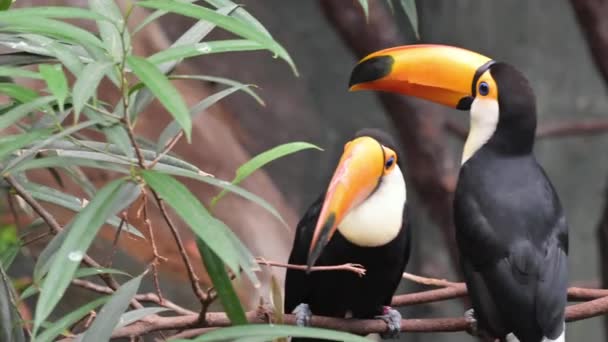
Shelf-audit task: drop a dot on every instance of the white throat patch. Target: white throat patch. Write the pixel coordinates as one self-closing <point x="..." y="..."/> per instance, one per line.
<point x="484" y="119"/>
<point x="377" y="220"/>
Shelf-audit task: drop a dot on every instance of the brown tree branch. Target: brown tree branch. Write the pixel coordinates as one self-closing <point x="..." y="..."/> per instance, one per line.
<point x="356" y="326"/>
<point x="356" y="268"/>
<point x="591" y="15"/>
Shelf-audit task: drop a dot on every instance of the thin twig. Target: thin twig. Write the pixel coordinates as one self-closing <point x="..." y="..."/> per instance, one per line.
<point x="429" y="281"/>
<point x="144" y="297"/>
<point x="356" y="268"/>
<point x="157" y="257"/>
<point x="167" y="149"/>
<point x="123" y="220"/>
<point x="194" y="281"/>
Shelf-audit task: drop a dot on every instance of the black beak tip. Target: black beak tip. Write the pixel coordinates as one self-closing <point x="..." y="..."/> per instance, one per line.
<point x="371" y="69"/>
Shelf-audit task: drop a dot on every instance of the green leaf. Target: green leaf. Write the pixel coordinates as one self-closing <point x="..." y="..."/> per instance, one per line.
<point x="221" y="80"/>
<point x="230" y="24"/>
<point x="218" y="46"/>
<point x="18" y="72"/>
<point x="409" y="7"/>
<point x="83" y="230"/>
<point x="91" y="271"/>
<point x="60" y="12"/>
<point x="10" y="143"/>
<point x="50" y="195"/>
<point x="149" y="19"/>
<point x="63" y="324"/>
<point x="45" y="259"/>
<point x="262" y="159"/>
<point x="110" y="313"/>
<point x="18" y="92"/>
<point x="194" y="34"/>
<point x="190" y="209"/>
<point x="118" y="135"/>
<point x="55" y="81"/>
<point x="37" y="147"/>
<point x="51" y="27"/>
<point x="5" y="4"/>
<point x="109" y="31"/>
<point x="9" y="245"/>
<point x="22" y="110"/>
<point x="274" y="331"/>
<point x="135" y="315"/>
<point x="86" y="84"/>
<point x="365" y="7"/>
<point x="172" y="129"/>
<point x="67" y="56"/>
<point x="166" y="93"/>
<point x="222" y="284"/>
<point x="10" y="320"/>
<point x="242" y="14"/>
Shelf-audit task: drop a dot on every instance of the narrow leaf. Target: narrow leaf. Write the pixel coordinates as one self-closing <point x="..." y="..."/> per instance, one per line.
<point x="199" y="49"/>
<point x="190" y="209"/>
<point x="55" y="81"/>
<point x="45" y="259"/>
<point x="27" y="13"/>
<point x="108" y="31"/>
<point x="275" y="331"/>
<point x="86" y="84"/>
<point x="55" y="329"/>
<point x="18" y="92"/>
<point x="22" y="110"/>
<point x="37" y="147"/>
<point x="222" y="284"/>
<point x="365" y="7"/>
<point x="242" y="14"/>
<point x="118" y="135"/>
<point x="110" y="313"/>
<point x="18" y="72"/>
<point x="230" y="24"/>
<point x="409" y="7"/>
<point x="10" y="321"/>
<point x="221" y="80"/>
<point x="50" y="195"/>
<point x="172" y="129"/>
<point x="10" y="143"/>
<point x="135" y="315"/>
<point x="262" y="159"/>
<point x="166" y="93"/>
<point x="83" y="230"/>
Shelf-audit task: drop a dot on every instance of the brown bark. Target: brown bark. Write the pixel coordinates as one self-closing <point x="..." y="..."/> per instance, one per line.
<point x="592" y="17"/>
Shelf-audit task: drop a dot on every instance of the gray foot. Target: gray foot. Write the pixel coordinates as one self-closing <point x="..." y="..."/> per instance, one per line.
<point x="303" y="315"/>
<point x="392" y="318"/>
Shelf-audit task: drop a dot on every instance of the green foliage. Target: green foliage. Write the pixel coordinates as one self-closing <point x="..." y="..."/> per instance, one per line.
<point x="408" y="6"/>
<point x="42" y="129"/>
<point x="268" y="332"/>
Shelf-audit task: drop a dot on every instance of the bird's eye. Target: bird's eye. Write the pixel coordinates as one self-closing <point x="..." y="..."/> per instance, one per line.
<point x="389" y="162"/>
<point x="484" y="89"/>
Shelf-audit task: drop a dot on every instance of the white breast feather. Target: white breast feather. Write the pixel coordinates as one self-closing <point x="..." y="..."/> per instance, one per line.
<point x="377" y="220"/>
<point x="484" y="119"/>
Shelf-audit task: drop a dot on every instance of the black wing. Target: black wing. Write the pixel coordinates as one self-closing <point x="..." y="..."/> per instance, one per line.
<point x="513" y="238"/>
<point x="296" y="281"/>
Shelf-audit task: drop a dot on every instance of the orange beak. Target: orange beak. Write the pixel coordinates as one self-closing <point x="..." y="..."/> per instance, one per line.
<point x="439" y="73"/>
<point x="356" y="177"/>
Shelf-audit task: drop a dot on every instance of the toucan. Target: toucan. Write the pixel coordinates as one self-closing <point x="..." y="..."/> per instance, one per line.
<point x="510" y="228"/>
<point x="360" y="219"/>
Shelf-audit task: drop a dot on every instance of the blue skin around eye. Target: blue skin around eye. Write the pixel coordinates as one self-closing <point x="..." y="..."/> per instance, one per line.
<point x="484" y="89"/>
<point x="390" y="162"/>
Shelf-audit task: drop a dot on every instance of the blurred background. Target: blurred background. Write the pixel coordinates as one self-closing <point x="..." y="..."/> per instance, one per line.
<point x="554" y="42"/>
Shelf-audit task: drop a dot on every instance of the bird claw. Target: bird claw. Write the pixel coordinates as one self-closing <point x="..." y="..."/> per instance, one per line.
<point x="392" y="318"/>
<point x="469" y="316"/>
<point x="303" y="315"/>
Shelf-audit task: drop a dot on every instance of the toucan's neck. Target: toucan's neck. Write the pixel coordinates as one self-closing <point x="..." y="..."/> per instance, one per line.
<point x="378" y="219"/>
<point x="514" y="134"/>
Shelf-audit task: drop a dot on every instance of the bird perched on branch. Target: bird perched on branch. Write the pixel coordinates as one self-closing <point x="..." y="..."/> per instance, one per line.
<point x="361" y="219"/>
<point x="510" y="227"/>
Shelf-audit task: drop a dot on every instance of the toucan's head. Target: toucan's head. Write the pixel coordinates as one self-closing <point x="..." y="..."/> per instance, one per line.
<point x="502" y="105"/>
<point x="366" y="196"/>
